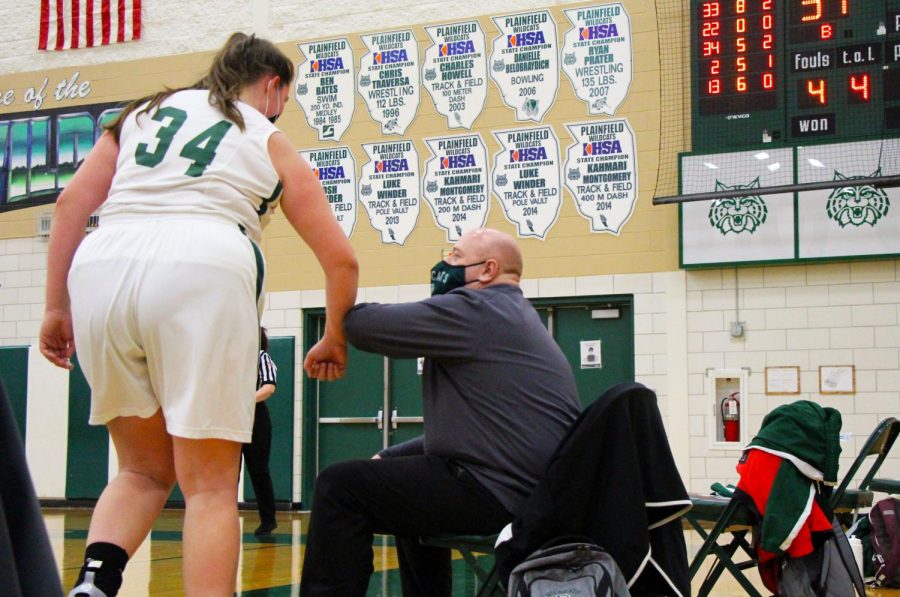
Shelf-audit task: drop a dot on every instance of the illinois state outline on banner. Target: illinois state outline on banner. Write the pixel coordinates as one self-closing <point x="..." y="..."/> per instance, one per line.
<point x="325" y="87"/>
<point x="389" y="188"/>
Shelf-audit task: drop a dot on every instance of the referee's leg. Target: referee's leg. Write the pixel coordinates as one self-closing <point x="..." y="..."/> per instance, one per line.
<point x="256" y="457"/>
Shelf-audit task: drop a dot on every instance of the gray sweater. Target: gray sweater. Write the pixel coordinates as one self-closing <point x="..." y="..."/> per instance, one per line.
<point x="498" y="392"/>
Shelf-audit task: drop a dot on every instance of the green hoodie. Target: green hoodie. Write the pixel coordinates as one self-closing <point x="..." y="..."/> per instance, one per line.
<point x="807" y="438"/>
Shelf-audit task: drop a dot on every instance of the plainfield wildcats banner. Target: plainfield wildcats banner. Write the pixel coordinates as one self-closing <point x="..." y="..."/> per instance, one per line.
<point x="70" y="24"/>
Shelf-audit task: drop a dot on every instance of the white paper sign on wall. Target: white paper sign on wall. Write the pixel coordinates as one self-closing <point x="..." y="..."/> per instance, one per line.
<point x="325" y="87"/>
<point x="601" y="172"/>
<point x="389" y="79"/>
<point x="597" y="56"/>
<point x="526" y="178"/>
<point x="389" y="188"/>
<point x="525" y="63"/>
<point x="456" y="183"/>
<point x="455" y="72"/>
<point x="336" y="170"/>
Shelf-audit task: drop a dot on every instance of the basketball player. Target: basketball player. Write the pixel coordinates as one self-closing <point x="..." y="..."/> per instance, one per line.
<point x="163" y="300"/>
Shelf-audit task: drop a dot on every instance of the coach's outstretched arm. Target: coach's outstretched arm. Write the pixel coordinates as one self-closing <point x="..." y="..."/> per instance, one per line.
<point x="306" y="208"/>
<point x="85" y="193"/>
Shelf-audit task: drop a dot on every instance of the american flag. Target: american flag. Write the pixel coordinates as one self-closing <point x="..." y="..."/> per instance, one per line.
<point x="69" y="24"/>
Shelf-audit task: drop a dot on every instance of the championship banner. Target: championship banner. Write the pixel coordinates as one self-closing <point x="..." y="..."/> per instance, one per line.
<point x="389" y="189"/>
<point x="525" y="63"/>
<point x="389" y="79"/>
<point x="597" y="56"/>
<point x="456" y="183"/>
<point x="455" y="72"/>
<point x="336" y="170"/>
<point x="601" y="172"/>
<point x="325" y="87"/>
<point x="526" y="179"/>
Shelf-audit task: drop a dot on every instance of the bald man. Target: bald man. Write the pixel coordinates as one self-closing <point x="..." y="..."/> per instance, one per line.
<point x="498" y="396"/>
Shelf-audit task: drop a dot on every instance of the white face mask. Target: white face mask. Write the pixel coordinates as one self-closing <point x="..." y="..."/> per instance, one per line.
<point x="274" y="116"/>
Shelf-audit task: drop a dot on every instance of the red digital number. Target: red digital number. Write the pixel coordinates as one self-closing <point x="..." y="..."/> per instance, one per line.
<point x="740" y="25"/>
<point x="767" y="22"/>
<point x="741" y="64"/>
<point x="712" y="48"/>
<point x="768" y="81"/>
<point x="714" y="87"/>
<point x="860" y="85"/>
<point x="770" y="60"/>
<point x="740" y="6"/>
<point x="741" y="84"/>
<point x="711" y="29"/>
<point x="768" y="40"/>
<point x="767" y="5"/>
<point x="741" y="44"/>
<point x="845" y="7"/>
<point x="715" y="67"/>
<point x="817" y="90"/>
<point x="815" y="12"/>
<point x="710" y="9"/>
<point x="826" y="31"/>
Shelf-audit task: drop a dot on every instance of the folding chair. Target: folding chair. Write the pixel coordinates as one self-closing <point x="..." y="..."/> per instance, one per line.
<point x="731" y="517"/>
<point x="879" y="444"/>
<point x="469" y="546"/>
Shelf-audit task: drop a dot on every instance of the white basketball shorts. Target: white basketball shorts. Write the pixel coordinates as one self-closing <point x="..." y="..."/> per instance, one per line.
<point x="165" y="316"/>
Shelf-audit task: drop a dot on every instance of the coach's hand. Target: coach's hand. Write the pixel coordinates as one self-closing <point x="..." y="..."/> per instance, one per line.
<point x="57" y="341"/>
<point x="327" y="360"/>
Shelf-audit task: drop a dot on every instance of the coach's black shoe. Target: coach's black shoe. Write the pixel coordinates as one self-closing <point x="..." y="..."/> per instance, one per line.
<point x="265" y="529"/>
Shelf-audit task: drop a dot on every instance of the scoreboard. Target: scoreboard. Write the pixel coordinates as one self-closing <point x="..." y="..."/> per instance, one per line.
<point x="790" y="71"/>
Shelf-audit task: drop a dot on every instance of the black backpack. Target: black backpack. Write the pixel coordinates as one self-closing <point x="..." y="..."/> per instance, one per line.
<point x="572" y="569"/>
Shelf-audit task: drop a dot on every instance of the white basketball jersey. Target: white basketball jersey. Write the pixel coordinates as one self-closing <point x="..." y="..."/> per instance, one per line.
<point x="185" y="158"/>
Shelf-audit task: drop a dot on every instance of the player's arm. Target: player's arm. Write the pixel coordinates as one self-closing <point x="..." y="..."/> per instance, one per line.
<point x="86" y="191"/>
<point x="306" y="208"/>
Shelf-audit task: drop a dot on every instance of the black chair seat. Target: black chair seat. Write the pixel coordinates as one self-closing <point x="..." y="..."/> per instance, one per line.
<point x="854" y="499"/>
<point x="885" y="485"/>
<point x="468" y="546"/>
<point x="709" y="508"/>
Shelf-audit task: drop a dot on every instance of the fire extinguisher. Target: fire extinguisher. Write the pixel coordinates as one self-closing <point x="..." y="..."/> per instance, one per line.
<point x="731" y="417"/>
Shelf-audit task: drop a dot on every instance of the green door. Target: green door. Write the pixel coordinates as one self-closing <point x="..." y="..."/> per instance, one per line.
<point x="281" y="412"/>
<point x="87" y="454"/>
<point x="14" y="377"/>
<point x="405" y="396"/>
<point x="606" y="323"/>
<point x="378" y="403"/>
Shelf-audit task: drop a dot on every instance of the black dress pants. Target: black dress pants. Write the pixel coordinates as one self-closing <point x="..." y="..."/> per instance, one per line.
<point x="256" y="457"/>
<point x="409" y="497"/>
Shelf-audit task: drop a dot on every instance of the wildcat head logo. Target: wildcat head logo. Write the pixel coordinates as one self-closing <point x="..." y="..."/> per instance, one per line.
<point x="366" y="190"/>
<point x="738" y="214"/>
<point x="431" y="186"/>
<point x="498" y="66"/>
<point x="365" y="81"/>
<point x="855" y="206"/>
<point x="574" y="174"/>
<point x="501" y="180"/>
<point x="302" y="89"/>
<point x="569" y="59"/>
<point x="430" y="74"/>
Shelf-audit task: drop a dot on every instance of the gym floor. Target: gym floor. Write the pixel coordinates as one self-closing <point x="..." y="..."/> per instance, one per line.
<point x="269" y="567"/>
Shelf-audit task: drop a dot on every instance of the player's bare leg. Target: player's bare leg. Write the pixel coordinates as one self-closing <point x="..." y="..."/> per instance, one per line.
<point x="207" y="471"/>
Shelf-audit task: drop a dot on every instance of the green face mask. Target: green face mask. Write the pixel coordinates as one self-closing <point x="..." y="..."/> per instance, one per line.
<point x="446" y="277"/>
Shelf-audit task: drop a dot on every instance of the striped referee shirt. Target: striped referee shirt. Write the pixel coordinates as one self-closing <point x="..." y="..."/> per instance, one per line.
<point x="266" y="371"/>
